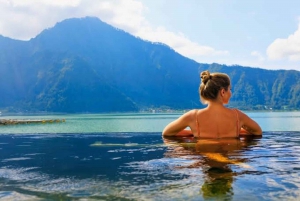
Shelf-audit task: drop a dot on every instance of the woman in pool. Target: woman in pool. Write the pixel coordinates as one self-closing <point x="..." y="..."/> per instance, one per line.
<point x="216" y="120"/>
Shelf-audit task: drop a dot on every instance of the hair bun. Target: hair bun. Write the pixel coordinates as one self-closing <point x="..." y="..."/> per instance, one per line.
<point x="205" y="76"/>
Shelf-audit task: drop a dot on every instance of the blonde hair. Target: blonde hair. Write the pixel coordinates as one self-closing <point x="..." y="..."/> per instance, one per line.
<point x="211" y="84"/>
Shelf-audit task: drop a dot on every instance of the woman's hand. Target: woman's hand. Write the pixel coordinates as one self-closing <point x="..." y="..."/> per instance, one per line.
<point x="184" y="132"/>
<point x="244" y="132"/>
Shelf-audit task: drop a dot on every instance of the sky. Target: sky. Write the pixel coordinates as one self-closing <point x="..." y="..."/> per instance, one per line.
<point x="254" y="33"/>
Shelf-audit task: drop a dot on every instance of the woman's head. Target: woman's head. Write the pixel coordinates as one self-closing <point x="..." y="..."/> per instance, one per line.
<point x="211" y="84"/>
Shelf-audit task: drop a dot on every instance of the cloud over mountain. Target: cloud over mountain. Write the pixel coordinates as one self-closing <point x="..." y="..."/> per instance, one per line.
<point x="33" y="16"/>
<point x="86" y="65"/>
<point x="286" y="48"/>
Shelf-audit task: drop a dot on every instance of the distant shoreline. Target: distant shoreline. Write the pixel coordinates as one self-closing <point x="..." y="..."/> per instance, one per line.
<point x="153" y="111"/>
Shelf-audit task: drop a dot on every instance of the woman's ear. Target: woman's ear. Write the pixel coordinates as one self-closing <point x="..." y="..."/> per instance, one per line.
<point x="222" y="91"/>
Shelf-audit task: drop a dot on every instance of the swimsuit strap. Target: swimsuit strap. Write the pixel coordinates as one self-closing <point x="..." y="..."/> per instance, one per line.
<point x="197" y="122"/>
<point x="237" y="123"/>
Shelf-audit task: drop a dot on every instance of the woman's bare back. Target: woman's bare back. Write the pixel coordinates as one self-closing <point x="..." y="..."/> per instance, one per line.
<point x="216" y="123"/>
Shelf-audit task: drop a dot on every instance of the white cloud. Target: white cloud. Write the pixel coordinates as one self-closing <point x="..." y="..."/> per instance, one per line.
<point x="257" y="55"/>
<point x="178" y="41"/>
<point x="45" y="2"/>
<point x="288" y="48"/>
<point x="24" y="19"/>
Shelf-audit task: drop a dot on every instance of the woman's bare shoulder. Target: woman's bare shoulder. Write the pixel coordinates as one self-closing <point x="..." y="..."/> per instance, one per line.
<point x="241" y="114"/>
<point x="249" y="124"/>
<point x="191" y="113"/>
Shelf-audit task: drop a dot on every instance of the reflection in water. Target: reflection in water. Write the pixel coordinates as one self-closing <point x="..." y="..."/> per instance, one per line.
<point x="215" y="157"/>
<point x="143" y="166"/>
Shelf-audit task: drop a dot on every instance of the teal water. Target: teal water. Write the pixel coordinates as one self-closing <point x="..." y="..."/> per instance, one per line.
<point x="124" y="157"/>
<point x="136" y="122"/>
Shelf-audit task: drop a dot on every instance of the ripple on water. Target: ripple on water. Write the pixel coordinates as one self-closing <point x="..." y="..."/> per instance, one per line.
<point x="21" y="174"/>
<point x="16" y="159"/>
<point x="274" y="172"/>
<point x="12" y="195"/>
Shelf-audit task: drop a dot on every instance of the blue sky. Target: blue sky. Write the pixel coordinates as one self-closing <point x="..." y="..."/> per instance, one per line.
<point x="253" y="33"/>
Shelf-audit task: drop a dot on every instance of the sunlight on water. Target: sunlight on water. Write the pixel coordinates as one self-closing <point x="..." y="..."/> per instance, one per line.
<point x="124" y="157"/>
<point x="145" y="166"/>
<point x="136" y="122"/>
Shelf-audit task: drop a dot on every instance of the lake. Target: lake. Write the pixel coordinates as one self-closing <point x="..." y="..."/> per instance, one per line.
<point x="136" y="122"/>
<point x="124" y="157"/>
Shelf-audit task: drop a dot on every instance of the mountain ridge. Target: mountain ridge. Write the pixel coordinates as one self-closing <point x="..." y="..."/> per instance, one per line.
<point x="86" y="65"/>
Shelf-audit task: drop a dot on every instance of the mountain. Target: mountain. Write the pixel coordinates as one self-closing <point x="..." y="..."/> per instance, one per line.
<point x="86" y="65"/>
<point x="255" y="88"/>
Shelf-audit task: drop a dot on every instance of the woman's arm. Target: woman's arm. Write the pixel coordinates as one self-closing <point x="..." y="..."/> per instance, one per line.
<point x="184" y="132"/>
<point x="249" y="126"/>
<point x="176" y="128"/>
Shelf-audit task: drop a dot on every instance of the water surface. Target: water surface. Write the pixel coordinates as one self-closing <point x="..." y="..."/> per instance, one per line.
<point x="124" y="157"/>
<point x="136" y="122"/>
<point x="145" y="166"/>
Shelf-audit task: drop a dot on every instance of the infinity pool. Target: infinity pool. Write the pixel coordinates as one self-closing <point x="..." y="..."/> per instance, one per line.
<point x="145" y="166"/>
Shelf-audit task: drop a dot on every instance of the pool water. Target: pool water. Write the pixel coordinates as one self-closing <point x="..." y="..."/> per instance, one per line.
<point x="146" y="166"/>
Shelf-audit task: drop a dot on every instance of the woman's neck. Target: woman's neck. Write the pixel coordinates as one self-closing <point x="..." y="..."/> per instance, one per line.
<point x="215" y="104"/>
